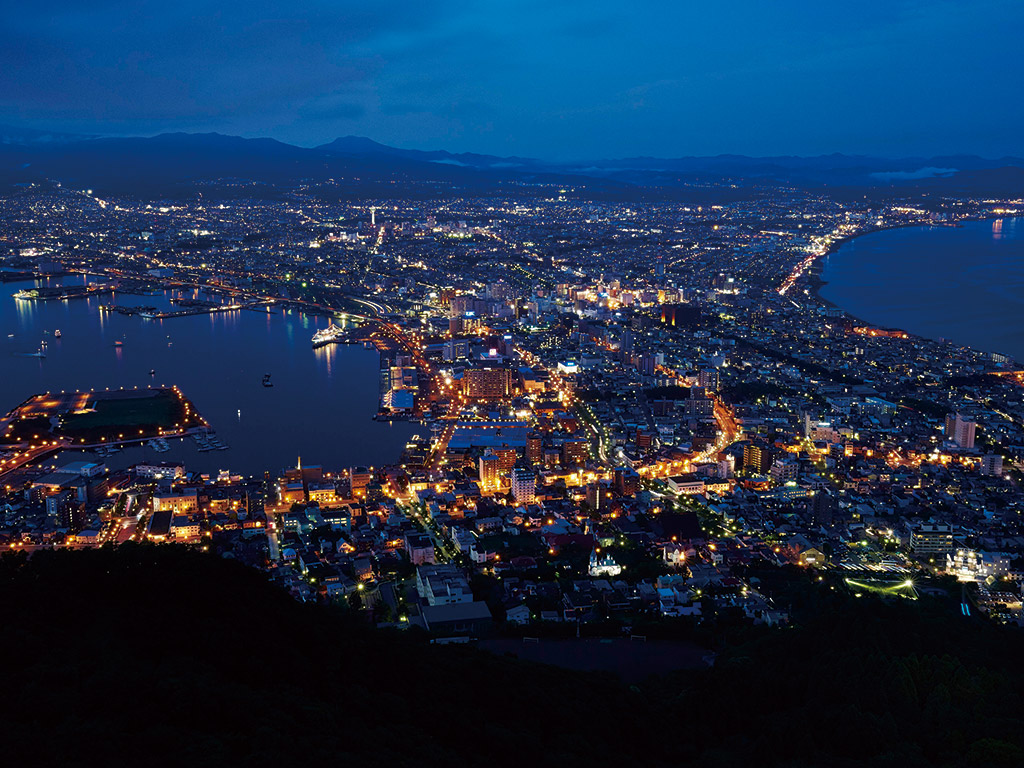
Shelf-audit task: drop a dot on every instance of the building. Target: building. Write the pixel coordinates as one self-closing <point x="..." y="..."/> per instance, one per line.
<point x="598" y="497"/>
<point x="708" y="379"/>
<point x="604" y="565"/>
<point x="488" y="382"/>
<point x="489" y="467"/>
<point x="164" y="471"/>
<point x="458" y="619"/>
<point x="442" y="585"/>
<point x="784" y="470"/>
<point x="931" y="539"/>
<point x="575" y="452"/>
<point x="992" y="464"/>
<point x="178" y="503"/>
<point x="524" y="486"/>
<point x="420" y="549"/>
<point x="626" y="481"/>
<point x="183" y="527"/>
<point x="960" y="431"/>
<point x="757" y="458"/>
<point x="687" y="483"/>
<point x="535" y="448"/>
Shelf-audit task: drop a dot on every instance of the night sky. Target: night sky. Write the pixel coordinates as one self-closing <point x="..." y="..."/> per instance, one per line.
<point x="555" y="79"/>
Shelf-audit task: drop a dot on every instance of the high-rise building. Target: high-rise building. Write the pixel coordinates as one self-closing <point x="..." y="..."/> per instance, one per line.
<point x="757" y="458"/>
<point x="960" y="431"/>
<point x="575" y="452"/>
<point x="708" y="379"/>
<point x="823" y="508"/>
<point x="490" y="470"/>
<point x="535" y="448"/>
<point x="598" y="497"/>
<point x="627" y="481"/>
<point x="524" y="485"/>
<point x="992" y="464"/>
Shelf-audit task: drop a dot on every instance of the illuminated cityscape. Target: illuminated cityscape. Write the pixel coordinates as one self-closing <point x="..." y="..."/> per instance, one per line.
<point x="300" y="438"/>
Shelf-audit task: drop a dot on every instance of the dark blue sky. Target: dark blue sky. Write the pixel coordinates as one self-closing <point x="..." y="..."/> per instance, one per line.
<point x="544" y="78"/>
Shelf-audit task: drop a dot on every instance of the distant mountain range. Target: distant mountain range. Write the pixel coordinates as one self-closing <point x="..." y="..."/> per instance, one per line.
<point x="177" y="162"/>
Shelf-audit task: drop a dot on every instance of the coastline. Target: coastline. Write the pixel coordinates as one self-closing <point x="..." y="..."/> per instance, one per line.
<point x="815" y="282"/>
<point x="813" y="274"/>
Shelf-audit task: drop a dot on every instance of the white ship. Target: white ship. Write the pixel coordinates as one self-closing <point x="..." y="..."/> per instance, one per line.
<point x="326" y="335"/>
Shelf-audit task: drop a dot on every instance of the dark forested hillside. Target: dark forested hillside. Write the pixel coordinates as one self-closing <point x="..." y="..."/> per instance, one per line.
<point x="162" y="655"/>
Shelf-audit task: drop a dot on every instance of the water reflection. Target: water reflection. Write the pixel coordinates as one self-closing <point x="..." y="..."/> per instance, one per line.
<point x="218" y="361"/>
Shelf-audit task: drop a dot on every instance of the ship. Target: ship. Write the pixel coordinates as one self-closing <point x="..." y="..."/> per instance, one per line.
<point x="326" y="335"/>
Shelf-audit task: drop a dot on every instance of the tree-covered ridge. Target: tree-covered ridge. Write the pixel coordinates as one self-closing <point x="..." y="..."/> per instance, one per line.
<point x="163" y="655"/>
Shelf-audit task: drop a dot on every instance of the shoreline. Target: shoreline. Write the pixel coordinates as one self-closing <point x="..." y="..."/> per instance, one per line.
<point x="815" y="282"/>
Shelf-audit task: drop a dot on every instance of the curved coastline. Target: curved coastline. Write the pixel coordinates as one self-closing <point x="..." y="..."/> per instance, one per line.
<point x="815" y="282"/>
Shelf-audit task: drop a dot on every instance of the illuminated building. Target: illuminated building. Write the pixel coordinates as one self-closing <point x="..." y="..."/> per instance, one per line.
<point x="524" y="485"/>
<point x="359" y="478"/>
<point x="992" y="464"/>
<point x="442" y="585"/>
<point x="534" y="448"/>
<point x="177" y="503"/>
<point x="627" y="481"/>
<point x="931" y="539"/>
<point x="708" y="379"/>
<point x="603" y="566"/>
<point x="575" y="452"/>
<point x="506" y="458"/>
<point x="487" y="382"/>
<point x="757" y="458"/>
<point x="597" y="497"/>
<point x="490" y="470"/>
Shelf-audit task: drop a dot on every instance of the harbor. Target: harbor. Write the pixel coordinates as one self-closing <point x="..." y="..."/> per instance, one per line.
<point x="241" y="369"/>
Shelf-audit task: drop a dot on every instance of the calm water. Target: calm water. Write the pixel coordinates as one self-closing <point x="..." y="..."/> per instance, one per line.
<point x="965" y="284"/>
<point x="320" y="407"/>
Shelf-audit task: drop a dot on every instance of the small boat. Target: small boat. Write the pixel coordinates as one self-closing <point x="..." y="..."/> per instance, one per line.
<point x="118" y="343"/>
<point x="267" y="382"/>
<point x="56" y="334"/>
<point x="152" y="371"/>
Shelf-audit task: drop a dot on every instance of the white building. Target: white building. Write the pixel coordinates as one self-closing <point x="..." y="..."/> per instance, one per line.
<point x="524" y="485"/>
<point x="603" y="566"/>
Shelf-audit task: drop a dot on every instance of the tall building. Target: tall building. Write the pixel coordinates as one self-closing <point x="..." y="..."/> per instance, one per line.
<point x="708" y="379"/>
<point x="823" y="508"/>
<point x="757" y="458"/>
<point x="627" y="481"/>
<point x="598" y="497"/>
<point x="535" y="448"/>
<point x="960" y="431"/>
<point x="490" y="470"/>
<point x="524" y="485"/>
<point x="575" y="452"/>
<point x="992" y="464"/>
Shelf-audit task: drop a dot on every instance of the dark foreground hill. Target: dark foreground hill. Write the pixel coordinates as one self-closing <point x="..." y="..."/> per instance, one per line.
<point x="160" y="655"/>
